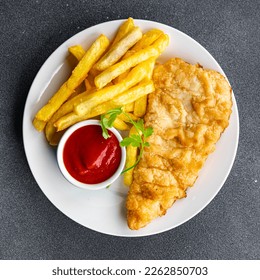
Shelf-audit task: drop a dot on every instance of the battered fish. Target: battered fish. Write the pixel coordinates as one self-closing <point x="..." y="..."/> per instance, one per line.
<point x="188" y="111"/>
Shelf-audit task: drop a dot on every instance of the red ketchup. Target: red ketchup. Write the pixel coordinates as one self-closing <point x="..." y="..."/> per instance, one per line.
<point x="89" y="157"/>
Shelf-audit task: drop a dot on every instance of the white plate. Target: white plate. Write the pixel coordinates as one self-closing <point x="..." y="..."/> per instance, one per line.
<point x="104" y="210"/>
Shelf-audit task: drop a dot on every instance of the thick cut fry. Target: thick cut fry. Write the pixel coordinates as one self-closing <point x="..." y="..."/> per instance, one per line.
<point x="148" y="38"/>
<point x="38" y="124"/>
<point x="124" y="118"/>
<point x="50" y="129"/>
<point x="131" y="157"/>
<point x="77" y="77"/>
<point x="123" y="75"/>
<point x="141" y="103"/>
<point x="150" y="70"/>
<point x="56" y="138"/>
<point x="122" y="99"/>
<point x="113" y="71"/>
<point x="128" y="54"/>
<point x="54" y="103"/>
<point x="161" y="43"/>
<point x="67" y="107"/>
<point x="105" y="94"/>
<point x="91" y="56"/>
<point x="140" y="106"/>
<point x="119" y="49"/>
<point x="131" y="95"/>
<point x="123" y="30"/>
<point x="120" y="124"/>
<point x="77" y="51"/>
<point x="129" y="107"/>
<point x="68" y="120"/>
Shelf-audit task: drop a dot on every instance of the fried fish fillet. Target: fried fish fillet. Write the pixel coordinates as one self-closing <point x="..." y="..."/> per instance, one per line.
<point x="188" y="111"/>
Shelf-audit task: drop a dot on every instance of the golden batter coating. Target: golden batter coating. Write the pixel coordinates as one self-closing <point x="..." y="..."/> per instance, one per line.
<point x="188" y="111"/>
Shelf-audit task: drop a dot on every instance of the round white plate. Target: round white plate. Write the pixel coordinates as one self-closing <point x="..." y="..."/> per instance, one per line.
<point x="104" y="210"/>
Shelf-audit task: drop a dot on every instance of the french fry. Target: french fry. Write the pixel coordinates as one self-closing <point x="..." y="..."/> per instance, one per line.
<point x="119" y="49"/>
<point x="141" y="103"/>
<point x="77" y="51"/>
<point x="123" y="75"/>
<point x="140" y="106"/>
<point x="50" y="130"/>
<point x="112" y="72"/>
<point x="67" y="107"/>
<point x="120" y="124"/>
<point x="131" y="157"/>
<point x="77" y="77"/>
<point x="91" y="56"/>
<point x="161" y="43"/>
<point x="148" y="38"/>
<point x="122" y="99"/>
<point x="117" y="69"/>
<point x="38" y="124"/>
<point x="68" y="120"/>
<point x="51" y="133"/>
<point x="128" y="54"/>
<point x="131" y="95"/>
<point x="124" y="118"/>
<point x="123" y="30"/>
<point x="150" y="70"/>
<point x="107" y="93"/>
<point x="54" y="141"/>
<point x="129" y="107"/>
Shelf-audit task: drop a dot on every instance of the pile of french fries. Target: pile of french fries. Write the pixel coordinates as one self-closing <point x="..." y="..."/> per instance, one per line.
<point x="112" y="74"/>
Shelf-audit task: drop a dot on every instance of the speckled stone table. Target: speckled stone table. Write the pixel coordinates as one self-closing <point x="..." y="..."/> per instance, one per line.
<point x="32" y="228"/>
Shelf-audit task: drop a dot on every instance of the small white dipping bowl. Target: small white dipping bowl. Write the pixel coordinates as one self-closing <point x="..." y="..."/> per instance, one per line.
<point x="65" y="172"/>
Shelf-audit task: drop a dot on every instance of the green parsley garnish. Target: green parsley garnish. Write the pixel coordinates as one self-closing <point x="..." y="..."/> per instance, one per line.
<point x="136" y="140"/>
<point x="107" y="120"/>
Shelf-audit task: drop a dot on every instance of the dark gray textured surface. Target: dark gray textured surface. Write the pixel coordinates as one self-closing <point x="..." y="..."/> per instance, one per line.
<point x="32" y="228"/>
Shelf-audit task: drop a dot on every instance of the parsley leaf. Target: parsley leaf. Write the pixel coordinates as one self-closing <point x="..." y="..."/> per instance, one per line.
<point x="107" y="121"/>
<point x="136" y="140"/>
<point x="104" y="126"/>
<point x="146" y="144"/>
<point x="139" y="125"/>
<point x="148" y="132"/>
